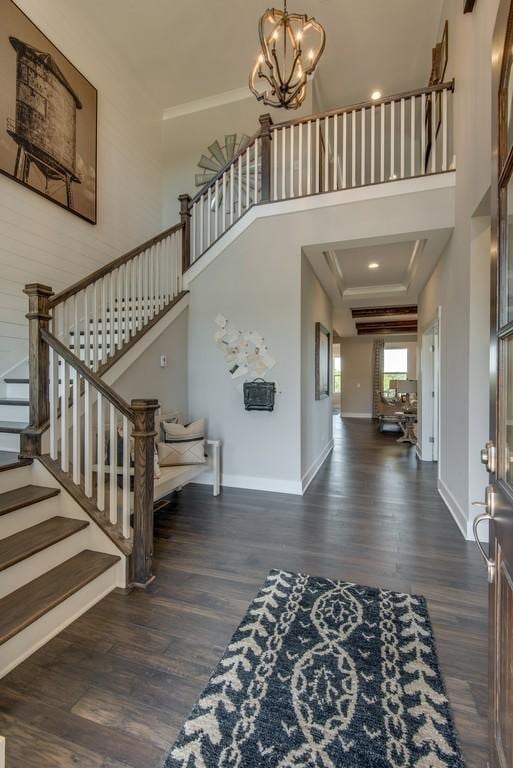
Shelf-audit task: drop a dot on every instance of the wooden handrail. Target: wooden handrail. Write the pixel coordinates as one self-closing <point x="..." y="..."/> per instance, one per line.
<point x="110" y="267"/>
<point x="366" y="105"/>
<point x="107" y="392"/>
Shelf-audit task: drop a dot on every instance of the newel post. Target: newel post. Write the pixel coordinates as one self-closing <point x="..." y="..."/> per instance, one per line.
<point x="185" y="220"/>
<point x="265" y="143"/>
<point x="143" y="434"/>
<point x="39" y="319"/>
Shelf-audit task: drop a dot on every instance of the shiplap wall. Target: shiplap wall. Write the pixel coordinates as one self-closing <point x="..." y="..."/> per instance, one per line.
<point x="40" y="242"/>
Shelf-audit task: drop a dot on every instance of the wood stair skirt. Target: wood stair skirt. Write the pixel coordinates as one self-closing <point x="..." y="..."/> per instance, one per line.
<point x="47" y="577"/>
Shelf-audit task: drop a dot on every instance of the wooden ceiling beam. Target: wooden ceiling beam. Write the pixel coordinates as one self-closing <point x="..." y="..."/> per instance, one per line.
<point x="410" y="309"/>
<point x="398" y="326"/>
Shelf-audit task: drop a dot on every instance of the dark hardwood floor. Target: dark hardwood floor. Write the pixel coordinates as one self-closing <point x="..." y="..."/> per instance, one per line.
<point x="113" y="689"/>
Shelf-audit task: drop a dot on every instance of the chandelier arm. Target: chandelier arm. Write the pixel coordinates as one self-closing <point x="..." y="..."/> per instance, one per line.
<point x="268" y="79"/>
<point x="297" y="57"/>
<point x="277" y="63"/>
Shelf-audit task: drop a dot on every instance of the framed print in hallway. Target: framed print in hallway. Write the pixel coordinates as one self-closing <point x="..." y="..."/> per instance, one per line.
<point x="322" y="362"/>
<point x="48" y="117"/>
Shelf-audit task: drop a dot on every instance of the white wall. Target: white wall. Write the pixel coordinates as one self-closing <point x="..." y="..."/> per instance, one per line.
<point x="260" y="449"/>
<point x="145" y="377"/>
<point x="459" y="284"/>
<point x="186" y="138"/>
<point x="316" y="415"/>
<point x="40" y="242"/>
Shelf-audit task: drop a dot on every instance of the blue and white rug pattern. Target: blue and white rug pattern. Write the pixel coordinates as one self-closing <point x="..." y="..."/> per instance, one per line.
<point x="322" y="674"/>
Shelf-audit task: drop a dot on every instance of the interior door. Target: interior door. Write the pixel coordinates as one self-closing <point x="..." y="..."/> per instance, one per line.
<point x="498" y="453"/>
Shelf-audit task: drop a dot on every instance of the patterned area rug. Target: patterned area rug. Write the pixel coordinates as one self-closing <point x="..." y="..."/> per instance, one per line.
<point x="321" y="674"/>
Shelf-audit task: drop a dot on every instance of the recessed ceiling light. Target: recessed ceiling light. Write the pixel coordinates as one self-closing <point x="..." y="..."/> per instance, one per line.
<point x="373" y="265"/>
<point x="375" y="95"/>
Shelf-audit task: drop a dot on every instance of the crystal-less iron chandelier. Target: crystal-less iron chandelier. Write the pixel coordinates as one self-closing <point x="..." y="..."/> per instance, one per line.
<point x="292" y="45"/>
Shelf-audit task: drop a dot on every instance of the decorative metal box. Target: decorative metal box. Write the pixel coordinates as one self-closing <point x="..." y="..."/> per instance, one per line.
<point x="259" y="395"/>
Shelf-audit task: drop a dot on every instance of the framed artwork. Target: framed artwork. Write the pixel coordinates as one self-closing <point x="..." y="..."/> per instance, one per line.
<point x="322" y="362"/>
<point x="48" y="117"/>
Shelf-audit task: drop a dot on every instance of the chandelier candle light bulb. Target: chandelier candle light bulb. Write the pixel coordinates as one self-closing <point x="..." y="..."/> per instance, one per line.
<point x="280" y="75"/>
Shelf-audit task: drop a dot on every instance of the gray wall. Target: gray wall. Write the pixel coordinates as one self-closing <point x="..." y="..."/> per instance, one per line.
<point x="316" y="415"/>
<point x="145" y="378"/>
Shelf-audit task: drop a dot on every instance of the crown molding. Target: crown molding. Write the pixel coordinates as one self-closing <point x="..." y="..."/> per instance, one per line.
<point x="209" y="102"/>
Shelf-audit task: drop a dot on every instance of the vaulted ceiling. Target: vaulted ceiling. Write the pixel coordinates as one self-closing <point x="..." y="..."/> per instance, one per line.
<point x="182" y="51"/>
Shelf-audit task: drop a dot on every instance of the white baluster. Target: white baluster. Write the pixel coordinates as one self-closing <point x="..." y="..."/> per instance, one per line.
<point x="257" y="193"/>
<point x="100" y="453"/>
<point x="402" y="138"/>
<point x="135" y="298"/>
<point x="239" y="187"/>
<point x="223" y="205"/>
<point x="64" y="370"/>
<point x="193" y="231"/>
<point x="248" y="179"/>
<point x="363" y="148"/>
<point x="216" y="206"/>
<point x="317" y="155"/>
<point x="291" y="188"/>
<point x="433" y="131"/>
<point x="126" y="479"/>
<point x="88" y="441"/>
<point x="275" y="137"/>
<point x="344" y="151"/>
<point x="309" y="158"/>
<point x="119" y="306"/>
<point x="103" y="317"/>
<point x="201" y="222"/>
<point x="54" y="400"/>
<point x="423" y="134"/>
<point x="232" y="186"/>
<point x="335" y="152"/>
<point x="113" y="460"/>
<point x="353" y="149"/>
<point x="326" y="154"/>
<point x="412" y="134"/>
<point x="96" y="344"/>
<point x="444" y="129"/>
<point x="392" y="139"/>
<point x="300" y="169"/>
<point x="76" y="325"/>
<point x="76" y="425"/>
<point x="283" y="162"/>
<point x="382" y="156"/>
<point x="209" y="215"/>
<point x="109" y="319"/>
<point x="373" y="144"/>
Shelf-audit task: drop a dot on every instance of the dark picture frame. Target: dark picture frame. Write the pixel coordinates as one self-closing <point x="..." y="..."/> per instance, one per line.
<point x="48" y="117"/>
<point x="322" y="361"/>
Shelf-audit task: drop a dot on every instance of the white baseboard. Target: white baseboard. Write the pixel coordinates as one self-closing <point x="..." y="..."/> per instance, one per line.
<point x="310" y="473"/>
<point x="455" y="509"/>
<point x="272" y="484"/>
<point x="345" y="415"/>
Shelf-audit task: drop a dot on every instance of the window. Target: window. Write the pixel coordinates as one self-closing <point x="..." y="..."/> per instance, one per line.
<point x="337" y="370"/>
<point x="395" y="367"/>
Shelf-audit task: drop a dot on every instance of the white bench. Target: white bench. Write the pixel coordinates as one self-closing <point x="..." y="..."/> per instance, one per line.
<point x="174" y="478"/>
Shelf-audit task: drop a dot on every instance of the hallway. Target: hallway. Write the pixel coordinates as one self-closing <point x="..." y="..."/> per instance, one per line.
<point x="113" y="689"/>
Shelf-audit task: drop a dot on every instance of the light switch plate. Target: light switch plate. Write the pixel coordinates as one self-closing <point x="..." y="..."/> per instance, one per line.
<point x="163" y="361"/>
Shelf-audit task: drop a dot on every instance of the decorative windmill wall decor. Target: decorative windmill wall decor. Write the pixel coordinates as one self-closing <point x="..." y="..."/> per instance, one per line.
<point x="220" y="155"/>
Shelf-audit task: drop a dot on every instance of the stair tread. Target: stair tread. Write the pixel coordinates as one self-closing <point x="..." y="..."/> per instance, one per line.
<point x="14" y="401"/>
<point x="25" y="605"/>
<point x="16" y="381"/>
<point x="11" y="460"/>
<point x="32" y="540"/>
<point x="24" y="497"/>
<point x="12" y="427"/>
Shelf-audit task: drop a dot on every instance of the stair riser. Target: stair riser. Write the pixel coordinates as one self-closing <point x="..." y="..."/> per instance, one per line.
<point x="14" y="478"/>
<point x="17" y="390"/>
<point x="14" y="413"/>
<point x="25" y="517"/>
<point x="9" y="443"/>
<point x="14" y="651"/>
<point x="32" y="567"/>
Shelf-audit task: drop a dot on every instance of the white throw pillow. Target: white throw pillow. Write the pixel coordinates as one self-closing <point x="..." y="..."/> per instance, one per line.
<point x="182" y="452"/>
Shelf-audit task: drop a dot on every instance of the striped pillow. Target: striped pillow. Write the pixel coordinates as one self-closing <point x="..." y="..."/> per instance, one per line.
<point x="178" y="433"/>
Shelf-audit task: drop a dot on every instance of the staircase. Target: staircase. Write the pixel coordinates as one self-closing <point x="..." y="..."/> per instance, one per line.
<point x="76" y="459"/>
